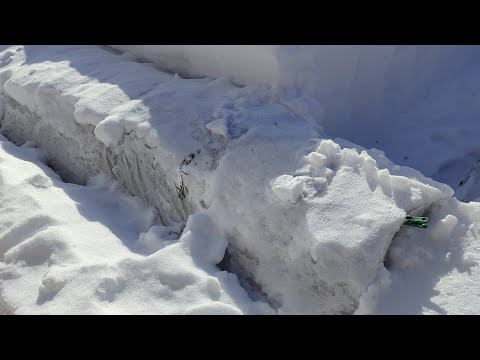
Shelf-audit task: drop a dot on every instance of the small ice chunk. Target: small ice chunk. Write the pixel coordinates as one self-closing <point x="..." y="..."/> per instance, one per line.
<point x="442" y="230"/>
<point x="218" y="127"/>
<point x="317" y="160"/>
<point x="288" y="188"/>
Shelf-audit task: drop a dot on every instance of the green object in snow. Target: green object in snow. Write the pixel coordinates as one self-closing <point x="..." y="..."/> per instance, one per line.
<point x="416" y="221"/>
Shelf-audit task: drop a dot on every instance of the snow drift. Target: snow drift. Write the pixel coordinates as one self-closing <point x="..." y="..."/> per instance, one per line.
<point x="414" y="102"/>
<point x="304" y="220"/>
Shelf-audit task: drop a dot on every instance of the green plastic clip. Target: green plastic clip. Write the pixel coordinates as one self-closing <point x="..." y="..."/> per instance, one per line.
<point x="416" y="221"/>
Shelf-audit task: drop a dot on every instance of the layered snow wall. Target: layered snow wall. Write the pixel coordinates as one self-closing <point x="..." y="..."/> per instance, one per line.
<point x="307" y="219"/>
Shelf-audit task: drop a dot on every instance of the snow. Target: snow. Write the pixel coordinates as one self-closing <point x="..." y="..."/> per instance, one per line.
<point x="433" y="271"/>
<point x="70" y="249"/>
<point x="417" y="103"/>
<point x="469" y="187"/>
<point x="246" y="199"/>
<point x="218" y="127"/>
<point x="319" y="245"/>
<point x="288" y="188"/>
<point x="245" y="64"/>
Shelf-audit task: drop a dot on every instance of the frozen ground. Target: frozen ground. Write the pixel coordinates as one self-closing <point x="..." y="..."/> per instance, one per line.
<point x="245" y="200"/>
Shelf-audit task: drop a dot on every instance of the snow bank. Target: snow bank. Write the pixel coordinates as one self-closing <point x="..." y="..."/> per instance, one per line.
<point x="305" y="220"/>
<point x="314" y="235"/>
<point x="69" y="249"/>
<point x="413" y="102"/>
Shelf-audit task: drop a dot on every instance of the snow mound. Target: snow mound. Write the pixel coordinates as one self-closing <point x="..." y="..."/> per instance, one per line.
<point x="315" y="237"/>
<point x="69" y="249"/>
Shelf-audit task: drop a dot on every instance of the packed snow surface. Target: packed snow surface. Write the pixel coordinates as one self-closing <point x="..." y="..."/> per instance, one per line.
<point x="202" y="195"/>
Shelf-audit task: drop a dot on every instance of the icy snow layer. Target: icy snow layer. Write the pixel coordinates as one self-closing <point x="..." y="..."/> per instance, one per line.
<point x="70" y="249"/>
<point x="419" y="104"/>
<point x="306" y="221"/>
